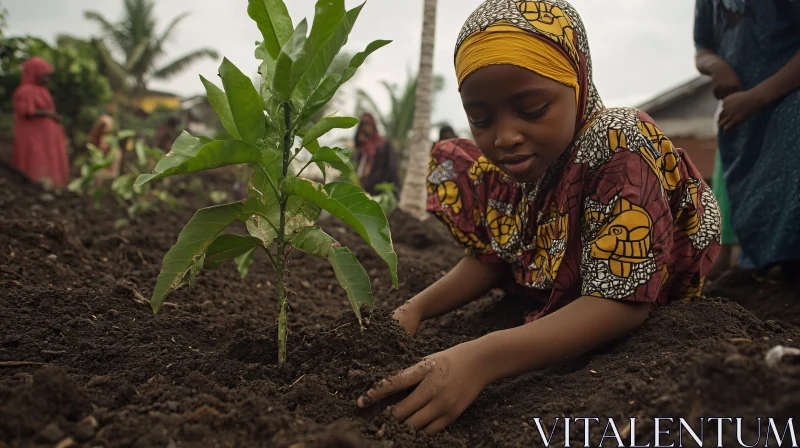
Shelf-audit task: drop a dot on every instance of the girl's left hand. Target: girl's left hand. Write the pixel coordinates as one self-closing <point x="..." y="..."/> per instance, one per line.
<point x="738" y="107"/>
<point x="446" y="384"/>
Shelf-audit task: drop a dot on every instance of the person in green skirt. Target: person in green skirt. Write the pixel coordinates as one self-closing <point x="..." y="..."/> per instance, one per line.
<point x="725" y="259"/>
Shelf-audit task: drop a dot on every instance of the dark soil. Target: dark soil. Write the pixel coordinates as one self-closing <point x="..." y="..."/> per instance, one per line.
<point x="103" y="370"/>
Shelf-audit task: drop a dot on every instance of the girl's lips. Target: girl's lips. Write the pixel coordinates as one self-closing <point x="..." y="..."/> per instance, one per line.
<point x="520" y="167"/>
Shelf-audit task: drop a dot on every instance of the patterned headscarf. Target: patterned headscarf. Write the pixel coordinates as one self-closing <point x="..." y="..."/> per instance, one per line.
<point x="546" y="37"/>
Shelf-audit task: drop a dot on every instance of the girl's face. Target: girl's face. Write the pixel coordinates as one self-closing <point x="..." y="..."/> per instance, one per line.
<point x="522" y="122"/>
<point x="365" y="133"/>
<point x="44" y="79"/>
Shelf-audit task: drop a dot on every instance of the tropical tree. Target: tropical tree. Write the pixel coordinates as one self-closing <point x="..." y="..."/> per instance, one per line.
<point x="3" y="16"/>
<point x="397" y="122"/>
<point x="141" y="47"/>
<point x="414" y="190"/>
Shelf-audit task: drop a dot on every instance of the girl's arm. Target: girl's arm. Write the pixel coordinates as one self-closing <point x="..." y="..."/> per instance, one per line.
<point x="448" y="382"/>
<point x="579" y="327"/>
<point x="466" y="282"/>
<point x="724" y="79"/>
<point x="740" y="106"/>
<point x="45" y="113"/>
<point x="782" y="83"/>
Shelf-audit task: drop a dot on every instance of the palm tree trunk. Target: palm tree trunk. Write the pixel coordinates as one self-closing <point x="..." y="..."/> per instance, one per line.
<point x="414" y="189"/>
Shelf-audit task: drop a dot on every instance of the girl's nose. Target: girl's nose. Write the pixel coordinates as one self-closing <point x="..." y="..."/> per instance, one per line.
<point x="508" y="136"/>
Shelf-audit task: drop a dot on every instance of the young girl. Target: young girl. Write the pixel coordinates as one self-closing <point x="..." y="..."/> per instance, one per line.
<point x="590" y="212"/>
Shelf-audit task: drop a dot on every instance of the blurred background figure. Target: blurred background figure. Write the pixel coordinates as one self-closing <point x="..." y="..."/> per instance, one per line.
<point x="166" y="134"/>
<point x="751" y="50"/>
<point x="446" y="132"/>
<point x="375" y="159"/>
<point x="40" y="145"/>
<point x="103" y="127"/>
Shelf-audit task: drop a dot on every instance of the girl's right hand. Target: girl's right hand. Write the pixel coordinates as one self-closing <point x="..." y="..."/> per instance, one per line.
<point x="408" y="316"/>
<point x="724" y="80"/>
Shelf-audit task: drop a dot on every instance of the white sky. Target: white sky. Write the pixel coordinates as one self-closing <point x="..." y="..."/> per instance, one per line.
<point x="640" y="48"/>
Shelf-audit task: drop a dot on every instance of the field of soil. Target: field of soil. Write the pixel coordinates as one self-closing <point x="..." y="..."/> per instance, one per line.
<point x="84" y="362"/>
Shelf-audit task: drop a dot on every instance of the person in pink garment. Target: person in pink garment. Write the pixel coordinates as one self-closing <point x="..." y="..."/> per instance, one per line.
<point x="40" y="145"/>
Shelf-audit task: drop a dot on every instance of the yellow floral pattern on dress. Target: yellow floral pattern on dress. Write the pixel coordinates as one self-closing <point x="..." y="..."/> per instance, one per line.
<point x="693" y="290"/>
<point x="550" y="248"/>
<point x="449" y="195"/>
<point x="466" y="239"/>
<point x="661" y="157"/>
<point x="440" y="181"/>
<point x="481" y="167"/>
<point x="503" y="226"/>
<point x="625" y="238"/>
<point x="687" y="219"/>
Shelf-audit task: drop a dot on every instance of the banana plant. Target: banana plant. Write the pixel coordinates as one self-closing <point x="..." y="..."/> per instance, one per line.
<point x="269" y="127"/>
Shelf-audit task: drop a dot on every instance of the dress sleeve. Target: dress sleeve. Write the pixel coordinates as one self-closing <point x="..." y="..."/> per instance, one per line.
<point x="24" y="102"/>
<point x="455" y="198"/>
<point x="704" y="25"/>
<point x="627" y="225"/>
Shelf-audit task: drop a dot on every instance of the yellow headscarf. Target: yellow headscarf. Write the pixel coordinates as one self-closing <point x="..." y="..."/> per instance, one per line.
<point x="545" y="36"/>
<point x="507" y="44"/>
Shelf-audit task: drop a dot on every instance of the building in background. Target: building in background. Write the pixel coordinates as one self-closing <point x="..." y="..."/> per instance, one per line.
<point x="686" y="115"/>
<point x="199" y="118"/>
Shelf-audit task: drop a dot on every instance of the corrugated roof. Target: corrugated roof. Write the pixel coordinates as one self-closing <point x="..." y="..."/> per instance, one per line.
<point x="665" y="99"/>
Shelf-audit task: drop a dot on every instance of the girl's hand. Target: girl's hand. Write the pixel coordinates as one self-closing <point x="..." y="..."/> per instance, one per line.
<point x="724" y="80"/>
<point x="409" y="317"/>
<point x="737" y="108"/>
<point x="446" y="384"/>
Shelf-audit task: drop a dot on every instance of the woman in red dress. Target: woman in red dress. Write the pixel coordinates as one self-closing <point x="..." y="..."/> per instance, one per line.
<point x="40" y="146"/>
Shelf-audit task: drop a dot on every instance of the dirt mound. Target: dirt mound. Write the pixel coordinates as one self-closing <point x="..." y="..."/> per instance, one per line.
<point x="103" y="370"/>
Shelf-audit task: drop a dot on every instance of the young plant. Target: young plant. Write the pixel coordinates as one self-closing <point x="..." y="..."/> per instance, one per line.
<point x="269" y="127"/>
<point x="96" y="181"/>
<point x="387" y="197"/>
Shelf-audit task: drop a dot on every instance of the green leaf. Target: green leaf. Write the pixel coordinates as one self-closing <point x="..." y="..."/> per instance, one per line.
<point x="219" y="101"/>
<point x="325" y="92"/>
<point x="350" y="273"/>
<point x="263" y="210"/>
<point x="245" y="103"/>
<point x="281" y="80"/>
<point x="273" y="21"/>
<point x="338" y="158"/>
<point x="244" y="262"/>
<point x="351" y="205"/>
<point x="189" y="158"/>
<point x="325" y="125"/>
<point x="328" y="35"/>
<point x="192" y="243"/>
<point x="228" y="247"/>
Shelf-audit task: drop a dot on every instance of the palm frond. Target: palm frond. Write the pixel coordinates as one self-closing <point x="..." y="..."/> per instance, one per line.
<point x="137" y="55"/>
<point x="182" y="63"/>
<point x="139" y="23"/>
<point x="159" y="44"/>
<point x="110" y="30"/>
<point x="372" y="107"/>
<point x="439" y="84"/>
<point x="113" y="70"/>
<point x="65" y="40"/>
<point x="405" y="111"/>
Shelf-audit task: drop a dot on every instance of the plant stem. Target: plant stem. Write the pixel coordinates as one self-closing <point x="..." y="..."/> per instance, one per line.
<point x="281" y="258"/>
<point x="271" y="182"/>
<point x="304" y="168"/>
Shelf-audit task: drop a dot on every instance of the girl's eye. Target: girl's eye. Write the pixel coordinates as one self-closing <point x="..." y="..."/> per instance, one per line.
<point x="536" y="114"/>
<point x="481" y="124"/>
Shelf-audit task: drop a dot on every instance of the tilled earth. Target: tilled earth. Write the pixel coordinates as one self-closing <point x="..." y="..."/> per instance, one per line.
<point x="84" y="362"/>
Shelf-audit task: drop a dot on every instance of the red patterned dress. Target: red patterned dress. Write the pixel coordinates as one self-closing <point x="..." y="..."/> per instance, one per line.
<point x="621" y="215"/>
